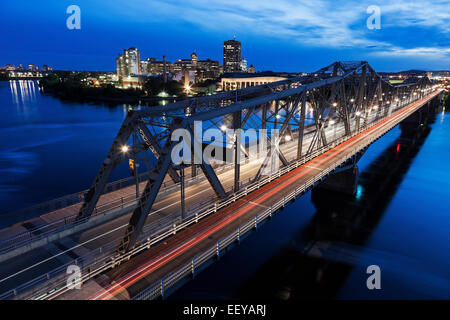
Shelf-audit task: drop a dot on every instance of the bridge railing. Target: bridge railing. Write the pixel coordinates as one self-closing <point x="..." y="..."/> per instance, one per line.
<point x="159" y="287"/>
<point x="53" y="283"/>
<point x="71" y="221"/>
<point x="40" y="209"/>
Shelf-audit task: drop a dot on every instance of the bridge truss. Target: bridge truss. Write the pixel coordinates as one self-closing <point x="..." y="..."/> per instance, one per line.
<point x="343" y="93"/>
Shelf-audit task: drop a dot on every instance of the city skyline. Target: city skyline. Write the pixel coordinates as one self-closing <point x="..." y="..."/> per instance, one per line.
<point x="282" y="40"/>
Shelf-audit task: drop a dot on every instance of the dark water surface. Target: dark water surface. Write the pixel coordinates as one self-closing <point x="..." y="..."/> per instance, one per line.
<point x="319" y="246"/>
<point x="49" y="148"/>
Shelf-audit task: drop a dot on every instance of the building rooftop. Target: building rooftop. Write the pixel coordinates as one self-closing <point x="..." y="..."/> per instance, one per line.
<point x="238" y="75"/>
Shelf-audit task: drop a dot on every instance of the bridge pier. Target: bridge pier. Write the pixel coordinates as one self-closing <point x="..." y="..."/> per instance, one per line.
<point x="419" y="120"/>
<point x="345" y="181"/>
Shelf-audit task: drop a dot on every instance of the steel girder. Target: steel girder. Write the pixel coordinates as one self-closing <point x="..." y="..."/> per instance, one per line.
<point x="153" y="145"/>
<point x="336" y="92"/>
<point x="111" y="160"/>
<point x="156" y="178"/>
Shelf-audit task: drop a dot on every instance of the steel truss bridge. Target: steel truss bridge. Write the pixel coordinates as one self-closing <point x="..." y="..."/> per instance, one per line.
<point x="149" y="231"/>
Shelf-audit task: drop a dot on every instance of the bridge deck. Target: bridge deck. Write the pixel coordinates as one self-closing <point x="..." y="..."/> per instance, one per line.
<point x="153" y="264"/>
<point x="56" y="218"/>
<point x="64" y="251"/>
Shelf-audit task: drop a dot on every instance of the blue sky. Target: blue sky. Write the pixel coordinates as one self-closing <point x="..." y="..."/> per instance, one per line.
<point x="279" y="35"/>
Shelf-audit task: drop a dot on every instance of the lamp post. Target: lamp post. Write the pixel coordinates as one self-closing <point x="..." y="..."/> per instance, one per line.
<point x="133" y="165"/>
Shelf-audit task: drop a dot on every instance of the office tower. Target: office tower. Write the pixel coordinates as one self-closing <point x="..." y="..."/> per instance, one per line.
<point x="128" y="63"/>
<point x="194" y="59"/>
<point x="231" y="56"/>
<point x="243" y="64"/>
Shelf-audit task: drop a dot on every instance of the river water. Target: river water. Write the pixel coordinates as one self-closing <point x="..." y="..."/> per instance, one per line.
<point x="318" y="247"/>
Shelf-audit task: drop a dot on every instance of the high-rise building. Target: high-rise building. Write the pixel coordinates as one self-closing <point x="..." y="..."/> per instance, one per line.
<point x="194" y="59"/>
<point x="144" y="66"/>
<point x="179" y="66"/>
<point x="231" y="56"/>
<point x="243" y="64"/>
<point x="128" y="63"/>
<point x="207" y="69"/>
<point x="154" y="67"/>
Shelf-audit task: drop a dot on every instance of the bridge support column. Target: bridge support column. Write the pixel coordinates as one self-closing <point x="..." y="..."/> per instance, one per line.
<point x="345" y="181"/>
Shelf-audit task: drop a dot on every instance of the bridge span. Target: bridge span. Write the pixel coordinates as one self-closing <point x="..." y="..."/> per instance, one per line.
<point x="139" y="241"/>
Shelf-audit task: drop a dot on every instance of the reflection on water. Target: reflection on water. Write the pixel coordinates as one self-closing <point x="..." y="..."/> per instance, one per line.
<point x="49" y="147"/>
<point x="23" y="91"/>
<point x="442" y="115"/>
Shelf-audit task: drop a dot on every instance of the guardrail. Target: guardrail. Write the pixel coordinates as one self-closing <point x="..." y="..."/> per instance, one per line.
<point x="52" y="284"/>
<point x="159" y="287"/>
<point x="71" y="221"/>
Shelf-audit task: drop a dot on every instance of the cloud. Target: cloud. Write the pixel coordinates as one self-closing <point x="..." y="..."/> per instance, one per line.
<point x="318" y="23"/>
<point x="418" y="51"/>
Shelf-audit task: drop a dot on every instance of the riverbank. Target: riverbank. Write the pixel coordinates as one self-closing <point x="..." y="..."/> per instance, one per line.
<point x="89" y="87"/>
<point x="108" y="99"/>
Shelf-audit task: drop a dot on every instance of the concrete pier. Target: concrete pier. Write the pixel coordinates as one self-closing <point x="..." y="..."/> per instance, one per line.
<point x="345" y="181"/>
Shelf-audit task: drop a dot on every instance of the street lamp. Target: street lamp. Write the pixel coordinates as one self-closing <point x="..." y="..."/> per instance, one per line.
<point x="223" y="127"/>
<point x="125" y="149"/>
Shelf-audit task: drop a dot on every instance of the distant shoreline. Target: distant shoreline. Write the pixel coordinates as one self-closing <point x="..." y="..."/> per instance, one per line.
<point x="20" y="78"/>
<point x="109" y="100"/>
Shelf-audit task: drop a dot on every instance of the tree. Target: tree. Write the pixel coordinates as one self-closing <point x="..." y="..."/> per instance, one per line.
<point x="155" y="85"/>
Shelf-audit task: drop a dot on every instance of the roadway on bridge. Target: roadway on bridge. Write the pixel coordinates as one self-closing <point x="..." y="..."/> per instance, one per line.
<point x="27" y="266"/>
<point x="132" y="277"/>
<point x="39" y="261"/>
